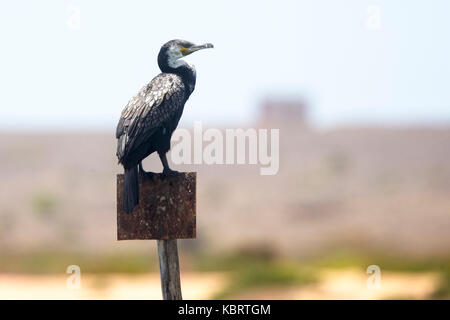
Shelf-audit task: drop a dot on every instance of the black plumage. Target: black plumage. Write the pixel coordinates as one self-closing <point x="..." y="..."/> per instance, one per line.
<point x="149" y="119"/>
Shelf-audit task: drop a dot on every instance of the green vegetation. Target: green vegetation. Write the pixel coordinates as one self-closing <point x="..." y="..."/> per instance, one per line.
<point x="57" y="262"/>
<point x="250" y="269"/>
<point x="363" y="259"/>
<point x="246" y="269"/>
<point x="255" y="268"/>
<point x="44" y="205"/>
<point x="266" y="274"/>
<point x="443" y="292"/>
<point x="357" y="259"/>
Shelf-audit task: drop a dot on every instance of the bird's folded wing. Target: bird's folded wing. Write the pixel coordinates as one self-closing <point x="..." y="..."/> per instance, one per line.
<point x="146" y="112"/>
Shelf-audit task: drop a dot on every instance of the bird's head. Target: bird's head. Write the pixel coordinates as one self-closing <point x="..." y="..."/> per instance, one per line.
<point x="173" y="50"/>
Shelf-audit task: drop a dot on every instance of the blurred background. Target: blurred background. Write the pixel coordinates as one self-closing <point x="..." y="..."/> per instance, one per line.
<point x="358" y="89"/>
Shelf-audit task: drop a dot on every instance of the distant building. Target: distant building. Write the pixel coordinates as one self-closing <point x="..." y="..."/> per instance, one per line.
<point x="283" y="113"/>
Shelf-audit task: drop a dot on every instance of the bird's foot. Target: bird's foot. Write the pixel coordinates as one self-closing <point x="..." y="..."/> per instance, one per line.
<point x="149" y="175"/>
<point x="168" y="171"/>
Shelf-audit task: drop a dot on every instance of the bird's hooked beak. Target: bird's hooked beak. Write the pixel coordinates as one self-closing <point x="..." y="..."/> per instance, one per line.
<point x="186" y="51"/>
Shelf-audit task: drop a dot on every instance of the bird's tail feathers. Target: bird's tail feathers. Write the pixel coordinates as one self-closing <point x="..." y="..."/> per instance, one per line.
<point x="130" y="189"/>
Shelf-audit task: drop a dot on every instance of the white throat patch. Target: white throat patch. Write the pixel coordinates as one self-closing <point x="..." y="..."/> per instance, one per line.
<point x="173" y="56"/>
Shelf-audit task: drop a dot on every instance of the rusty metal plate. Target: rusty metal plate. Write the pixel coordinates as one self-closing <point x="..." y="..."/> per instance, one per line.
<point x="166" y="210"/>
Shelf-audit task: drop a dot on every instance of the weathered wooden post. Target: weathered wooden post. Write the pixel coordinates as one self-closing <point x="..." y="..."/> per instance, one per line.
<point x="169" y="269"/>
<point x="166" y="212"/>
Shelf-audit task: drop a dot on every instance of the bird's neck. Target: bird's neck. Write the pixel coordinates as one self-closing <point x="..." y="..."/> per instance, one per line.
<point x="185" y="70"/>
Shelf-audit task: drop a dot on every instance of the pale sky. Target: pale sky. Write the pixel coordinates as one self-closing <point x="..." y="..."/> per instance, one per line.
<point x="355" y="61"/>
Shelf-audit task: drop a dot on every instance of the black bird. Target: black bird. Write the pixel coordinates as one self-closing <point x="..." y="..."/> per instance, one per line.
<point x="149" y="119"/>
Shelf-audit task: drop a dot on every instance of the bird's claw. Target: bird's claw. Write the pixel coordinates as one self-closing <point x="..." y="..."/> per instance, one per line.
<point x="168" y="171"/>
<point x="149" y="175"/>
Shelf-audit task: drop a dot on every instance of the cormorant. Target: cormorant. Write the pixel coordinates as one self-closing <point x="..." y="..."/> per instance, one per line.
<point x="150" y="117"/>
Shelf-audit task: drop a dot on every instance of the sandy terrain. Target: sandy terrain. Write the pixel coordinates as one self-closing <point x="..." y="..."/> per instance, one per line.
<point x="105" y="286"/>
<point x="333" y="284"/>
